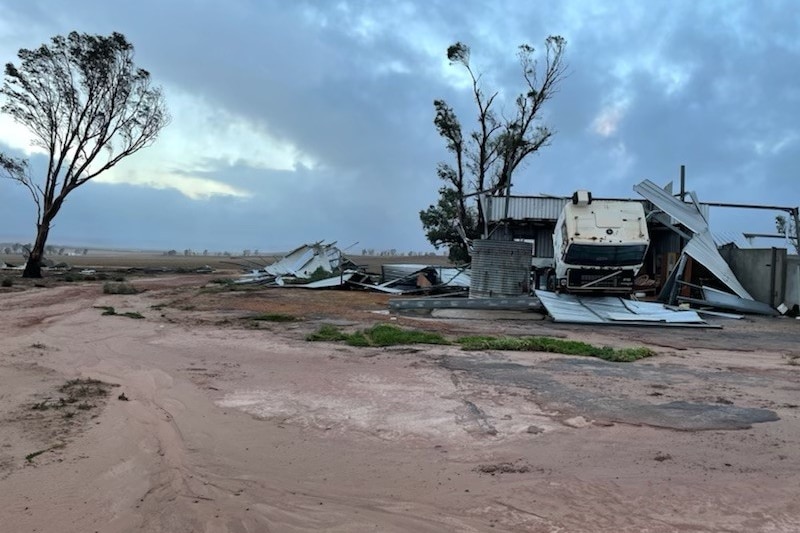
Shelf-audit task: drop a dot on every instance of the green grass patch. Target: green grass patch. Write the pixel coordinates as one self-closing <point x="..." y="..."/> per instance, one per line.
<point x="390" y="335"/>
<point x="378" y="335"/>
<point x="551" y="345"/>
<point x="119" y="288"/>
<point x="110" y="311"/>
<point x="273" y="317"/>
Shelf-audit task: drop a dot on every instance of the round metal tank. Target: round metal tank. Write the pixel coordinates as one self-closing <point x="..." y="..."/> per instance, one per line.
<point x="500" y="269"/>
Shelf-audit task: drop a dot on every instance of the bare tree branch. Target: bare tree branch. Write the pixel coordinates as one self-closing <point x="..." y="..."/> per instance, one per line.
<point x="17" y="170"/>
<point x="487" y="160"/>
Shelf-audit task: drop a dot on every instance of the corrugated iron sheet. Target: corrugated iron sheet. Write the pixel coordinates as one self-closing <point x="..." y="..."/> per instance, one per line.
<point x="449" y="276"/>
<point x="393" y="271"/>
<point x="722" y="238"/>
<point x="523" y="208"/>
<point x="500" y="268"/>
<point x="701" y="247"/>
<point x="724" y="300"/>
<point x="686" y="214"/>
<point x="543" y="243"/>
<point x="573" y="309"/>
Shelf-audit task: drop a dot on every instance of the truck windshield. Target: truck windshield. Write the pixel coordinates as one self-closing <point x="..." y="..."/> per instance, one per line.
<point x="605" y="255"/>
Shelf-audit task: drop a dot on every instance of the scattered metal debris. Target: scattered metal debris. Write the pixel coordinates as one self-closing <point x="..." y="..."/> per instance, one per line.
<point x="614" y="310"/>
<point x="701" y="246"/>
<point x="411" y="278"/>
<point x="519" y="303"/>
<point x="723" y="300"/>
<point x="324" y="266"/>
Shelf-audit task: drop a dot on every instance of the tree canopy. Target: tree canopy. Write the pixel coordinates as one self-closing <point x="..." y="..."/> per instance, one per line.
<point x="486" y="158"/>
<point x="88" y="107"/>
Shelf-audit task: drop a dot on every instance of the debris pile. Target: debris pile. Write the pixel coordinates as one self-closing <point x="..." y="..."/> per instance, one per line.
<point x="324" y="266"/>
<point x="701" y="248"/>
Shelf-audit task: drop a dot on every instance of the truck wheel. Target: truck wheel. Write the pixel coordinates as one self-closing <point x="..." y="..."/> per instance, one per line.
<point x="551" y="281"/>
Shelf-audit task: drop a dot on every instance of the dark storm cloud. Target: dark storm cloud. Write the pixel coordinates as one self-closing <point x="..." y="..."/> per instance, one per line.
<point x="350" y="84"/>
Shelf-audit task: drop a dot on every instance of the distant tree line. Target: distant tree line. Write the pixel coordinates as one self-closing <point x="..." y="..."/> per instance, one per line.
<point x="49" y="250"/>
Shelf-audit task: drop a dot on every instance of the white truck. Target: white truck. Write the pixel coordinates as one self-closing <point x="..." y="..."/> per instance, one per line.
<point x="599" y="245"/>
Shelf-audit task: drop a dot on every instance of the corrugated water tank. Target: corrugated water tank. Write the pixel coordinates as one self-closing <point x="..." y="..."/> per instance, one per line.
<point x="500" y="269"/>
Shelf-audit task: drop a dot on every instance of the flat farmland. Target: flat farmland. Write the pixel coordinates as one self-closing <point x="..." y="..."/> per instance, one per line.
<point x="198" y="406"/>
<point x="141" y="260"/>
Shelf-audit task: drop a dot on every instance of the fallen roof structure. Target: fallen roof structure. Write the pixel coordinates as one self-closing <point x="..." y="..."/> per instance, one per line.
<point x="723" y="300"/>
<point x="410" y="278"/>
<point x="701" y="247"/>
<point x="307" y="259"/>
<point x="302" y="263"/>
<point x="324" y="266"/>
<point x="614" y="310"/>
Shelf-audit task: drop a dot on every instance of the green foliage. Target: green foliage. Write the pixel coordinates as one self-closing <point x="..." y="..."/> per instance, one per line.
<point x="377" y="335"/>
<point x="391" y="335"/>
<point x="548" y="344"/>
<point x="7" y="282"/>
<point x="87" y="106"/>
<point x="486" y="158"/>
<point x="273" y="317"/>
<point x="440" y="222"/>
<point x="110" y="311"/>
<point x="119" y="288"/>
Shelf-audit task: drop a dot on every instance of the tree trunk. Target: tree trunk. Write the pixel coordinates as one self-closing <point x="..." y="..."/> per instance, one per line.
<point x="33" y="269"/>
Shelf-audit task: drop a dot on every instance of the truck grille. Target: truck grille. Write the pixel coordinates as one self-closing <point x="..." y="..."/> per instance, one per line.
<point x="576" y="278"/>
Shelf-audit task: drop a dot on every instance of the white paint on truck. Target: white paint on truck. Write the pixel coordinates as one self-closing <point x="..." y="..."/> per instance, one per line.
<point x="599" y="245"/>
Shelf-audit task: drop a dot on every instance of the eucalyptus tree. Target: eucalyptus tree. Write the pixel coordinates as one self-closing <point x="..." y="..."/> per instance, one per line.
<point x="87" y="106"/>
<point x="485" y="159"/>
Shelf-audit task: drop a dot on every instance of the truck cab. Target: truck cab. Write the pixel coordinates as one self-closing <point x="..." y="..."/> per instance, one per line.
<point x="599" y="245"/>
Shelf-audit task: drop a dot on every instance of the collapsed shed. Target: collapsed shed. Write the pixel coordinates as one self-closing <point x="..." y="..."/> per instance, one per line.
<point x="684" y="257"/>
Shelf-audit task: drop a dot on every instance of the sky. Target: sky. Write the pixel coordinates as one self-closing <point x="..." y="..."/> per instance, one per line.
<point x="298" y="121"/>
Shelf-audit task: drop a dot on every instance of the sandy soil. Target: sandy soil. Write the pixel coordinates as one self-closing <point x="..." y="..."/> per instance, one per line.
<point x="232" y="425"/>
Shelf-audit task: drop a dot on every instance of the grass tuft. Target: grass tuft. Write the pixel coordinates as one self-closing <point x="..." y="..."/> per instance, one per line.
<point x="273" y="317"/>
<point x="119" y="288"/>
<point x="390" y="335"/>
<point x="84" y="388"/>
<point x="378" y="335"/>
<point x="551" y="345"/>
<point x="110" y="311"/>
